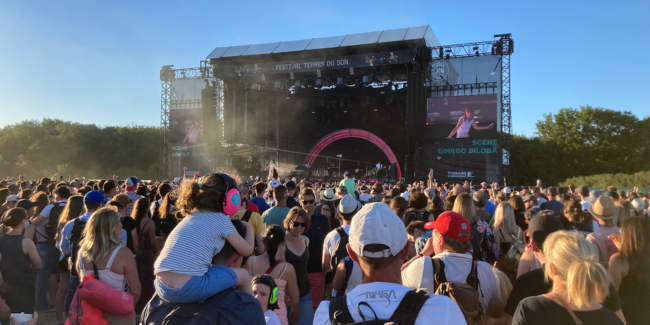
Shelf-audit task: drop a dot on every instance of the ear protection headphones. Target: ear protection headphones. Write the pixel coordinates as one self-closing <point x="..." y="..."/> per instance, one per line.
<point x="269" y="281"/>
<point x="232" y="199"/>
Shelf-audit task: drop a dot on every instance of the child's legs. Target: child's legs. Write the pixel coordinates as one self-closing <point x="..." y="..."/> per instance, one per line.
<point x="218" y="278"/>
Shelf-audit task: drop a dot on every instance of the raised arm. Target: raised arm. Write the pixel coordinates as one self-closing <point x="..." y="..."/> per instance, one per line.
<point x="243" y="246"/>
<point x="187" y="137"/>
<point x="476" y="127"/>
<point x="455" y="129"/>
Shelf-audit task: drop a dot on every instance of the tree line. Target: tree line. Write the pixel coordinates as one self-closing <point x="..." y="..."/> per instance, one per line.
<point x="594" y="145"/>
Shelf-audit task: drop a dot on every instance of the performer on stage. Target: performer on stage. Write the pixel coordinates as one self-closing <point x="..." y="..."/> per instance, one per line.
<point x="380" y="168"/>
<point x="271" y="167"/>
<point x="464" y="123"/>
<point x="195" y="129"/>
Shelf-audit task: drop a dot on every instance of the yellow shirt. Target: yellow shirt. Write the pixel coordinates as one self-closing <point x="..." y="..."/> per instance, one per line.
<point x="255" y="221"/>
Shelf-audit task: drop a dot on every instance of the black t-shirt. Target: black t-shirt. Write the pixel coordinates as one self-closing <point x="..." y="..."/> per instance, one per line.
<point x="129" y="224"/>
<point x="534" y="284"/>
<point x="544" y="311"/>
<point x="291" y="202"/>
<point x="316" y="233"/>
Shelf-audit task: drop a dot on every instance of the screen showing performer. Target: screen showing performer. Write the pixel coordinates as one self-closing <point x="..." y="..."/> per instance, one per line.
<point x="462" y="117"/>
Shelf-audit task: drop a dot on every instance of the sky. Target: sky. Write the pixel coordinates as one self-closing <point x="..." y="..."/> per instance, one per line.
<point x="99" y="62"/>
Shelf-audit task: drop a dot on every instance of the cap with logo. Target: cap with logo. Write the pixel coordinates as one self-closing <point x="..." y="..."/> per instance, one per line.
<point x="131" y="183"/>
<point x="376" y="223"/>
<point x="349" y="205"/>
<point x="94" y="197"/>
<point x="452" y="225"/>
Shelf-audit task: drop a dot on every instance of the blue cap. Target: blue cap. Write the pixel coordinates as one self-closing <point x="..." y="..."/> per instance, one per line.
<point x="131" y="182"/>
<point x="94" y="197"/>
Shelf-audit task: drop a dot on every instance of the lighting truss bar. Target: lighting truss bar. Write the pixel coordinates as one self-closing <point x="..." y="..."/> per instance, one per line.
<point x="482" y="87"/>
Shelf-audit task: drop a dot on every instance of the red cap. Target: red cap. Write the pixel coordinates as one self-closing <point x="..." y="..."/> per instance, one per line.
<point x="451" y="224"/>
<point x="197" y="175"/>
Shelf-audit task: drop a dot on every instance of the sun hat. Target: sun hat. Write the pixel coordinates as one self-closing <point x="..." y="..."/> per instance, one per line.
<point x="349" y="205"/>
<point x="376" y="223"/>
<point x="604" y="208"/>
<point x="638" y="204"/>
<point x="452" y="225"/>
<point x="327" y="195"/>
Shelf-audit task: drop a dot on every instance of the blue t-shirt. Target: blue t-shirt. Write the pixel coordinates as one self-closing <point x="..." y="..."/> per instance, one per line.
<point x="490" y="208"/>
<point x="275" y="216"/>
<point x="261" y="204"/>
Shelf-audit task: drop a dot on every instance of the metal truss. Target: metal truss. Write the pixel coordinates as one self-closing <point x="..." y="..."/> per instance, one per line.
<point x="166" y="76"/>
<point x="505" y="47"/>
<point x="480" y="88"/>
<point x="204" y="71"/>
<point x="186" y="104"/>
<point x="464" y="50"/>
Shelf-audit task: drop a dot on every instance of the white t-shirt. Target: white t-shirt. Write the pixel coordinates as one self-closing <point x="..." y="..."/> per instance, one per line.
<point x="271" y="318"/>
<point x="384" y="297"/>
<point x="329" y="245"/>
<point x="406" y="195"/>
<point x="364" y="197"/>
<point x="419" y="275"/>
<point x="541" y="201"/>
<point x="41" y="234"/>
<point x="585" y="205"/>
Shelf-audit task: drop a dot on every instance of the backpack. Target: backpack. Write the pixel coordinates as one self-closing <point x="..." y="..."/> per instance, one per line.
<point x="156" y="217"/>
<point x="340" y="251"/>
<point x="53" y="221"/>
<point x="75" y="238"/>
<point x="405" y="314"/>
<point x="349" y="265"/>
<point x="465" y="295"/>
<point x="512" y="257"/>
<point x="199" y="313"/>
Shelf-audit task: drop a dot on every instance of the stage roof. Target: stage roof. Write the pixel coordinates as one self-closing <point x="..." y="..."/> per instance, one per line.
<point x="393" y="35"/>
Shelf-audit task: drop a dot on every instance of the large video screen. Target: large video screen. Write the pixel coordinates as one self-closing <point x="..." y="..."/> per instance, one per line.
<point x="185" y="111"/>
<point x="462" y="117"/>
<point x="457" y="160"/>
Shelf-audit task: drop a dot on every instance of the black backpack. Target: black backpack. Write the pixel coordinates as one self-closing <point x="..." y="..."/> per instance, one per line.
<point x="156" y="217"/>
<point x="199" y="313"/>
<point x="406" y="313"/>
<point x="75" y="238"/>
<point x="53" y="221"/>
<point x="340" y="252"/>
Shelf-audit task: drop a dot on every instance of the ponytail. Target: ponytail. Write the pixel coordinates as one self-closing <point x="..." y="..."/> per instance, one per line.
<point x="273" y="237"/>
<point x="575" y="263"/>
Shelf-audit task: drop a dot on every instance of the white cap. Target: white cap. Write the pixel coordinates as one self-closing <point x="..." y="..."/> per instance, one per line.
<point x="15" y="198"/>
<point x="506" y="190"/>
<point x="177" y="179"/>
<point x="637" y="204"/>
<point x="376" y="223"/>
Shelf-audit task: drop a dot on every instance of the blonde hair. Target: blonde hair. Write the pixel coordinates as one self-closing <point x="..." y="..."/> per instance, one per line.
<point x="464" y="205"/>
<point x="575" y="263"/>
<point x="99" y="235"/>
<point x="505" y="286"/>
<point x="504" y="219"/>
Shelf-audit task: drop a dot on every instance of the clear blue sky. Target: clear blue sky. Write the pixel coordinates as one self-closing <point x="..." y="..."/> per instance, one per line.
<point x="95" y="62"/>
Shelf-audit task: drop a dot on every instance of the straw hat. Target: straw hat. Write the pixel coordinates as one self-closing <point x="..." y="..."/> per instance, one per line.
<point x="604" y="208"/>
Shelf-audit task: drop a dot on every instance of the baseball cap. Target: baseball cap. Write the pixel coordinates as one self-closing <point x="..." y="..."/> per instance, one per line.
<point x="13" y="198"/>
<point x="131" y="183"/>
<point x="376" y="223"/>
<point x="530" y="198"/>
<point x="177" y="179"/>
<point x="583" y="190"/>
<point x="364" y="188"/>
<point x="541" y="225"/>
<point x="291" y="185"/>
<point x="94" y="197"/>
<point x="347" y="173"/>
<point x="197" y="175"/>
<point x="506" y="190"/>
<point x="348" y="205"/>
<point x="452" y="225"/>
<point x="26" y="204"/>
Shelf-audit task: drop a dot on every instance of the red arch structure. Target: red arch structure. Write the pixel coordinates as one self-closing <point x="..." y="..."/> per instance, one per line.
<point x="352" y="133"/>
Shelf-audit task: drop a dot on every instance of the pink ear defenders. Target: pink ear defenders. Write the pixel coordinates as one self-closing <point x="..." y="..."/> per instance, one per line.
<point x="232" y="200"/>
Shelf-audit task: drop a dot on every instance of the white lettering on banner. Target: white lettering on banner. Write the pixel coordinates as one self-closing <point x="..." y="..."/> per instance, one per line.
<point x="342" y="62"/>
<point x="460" y="174"/>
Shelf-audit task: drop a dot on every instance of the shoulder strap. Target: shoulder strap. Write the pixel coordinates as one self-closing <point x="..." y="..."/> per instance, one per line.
<point x="341" y="232"/>
<point x="110" y="260"/>
<point x="472" y="278"/>
<point x="339" y="312"/>
<point x="438" y="273"/>
<point x="270" y="269"/>
<point x="566" y="306"/>
<point x="349" y="265"/>
<point x="247" y="216"/>
<point x="409" y="308"/>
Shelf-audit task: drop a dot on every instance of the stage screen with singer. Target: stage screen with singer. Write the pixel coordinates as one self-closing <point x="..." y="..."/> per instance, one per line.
<point x="462" y="117"/>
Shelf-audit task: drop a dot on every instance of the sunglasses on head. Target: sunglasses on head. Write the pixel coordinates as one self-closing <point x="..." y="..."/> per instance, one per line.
<point x="308" y="201"/>
<point x="297" y="224"/>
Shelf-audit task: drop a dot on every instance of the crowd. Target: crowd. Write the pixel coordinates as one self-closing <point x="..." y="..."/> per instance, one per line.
<point x="215" y="249"/>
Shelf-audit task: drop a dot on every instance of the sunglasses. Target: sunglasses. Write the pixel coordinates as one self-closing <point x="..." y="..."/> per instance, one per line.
<point x="308" y="202"/>
<point x="297" y="224"/>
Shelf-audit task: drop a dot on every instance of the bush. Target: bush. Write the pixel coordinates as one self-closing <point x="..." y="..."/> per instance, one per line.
<point x="620" y="180"/>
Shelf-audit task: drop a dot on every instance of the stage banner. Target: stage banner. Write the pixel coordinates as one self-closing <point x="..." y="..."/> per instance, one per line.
<point x="196" y="158"/>
<point x="457" y="160"/>
<point x="462" y="117"/>
<point x="323" y="63"/>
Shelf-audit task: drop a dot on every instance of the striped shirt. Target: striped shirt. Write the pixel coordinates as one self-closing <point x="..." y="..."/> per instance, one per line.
<point x="192" y="244"/>
<point x="132" y="198"/>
